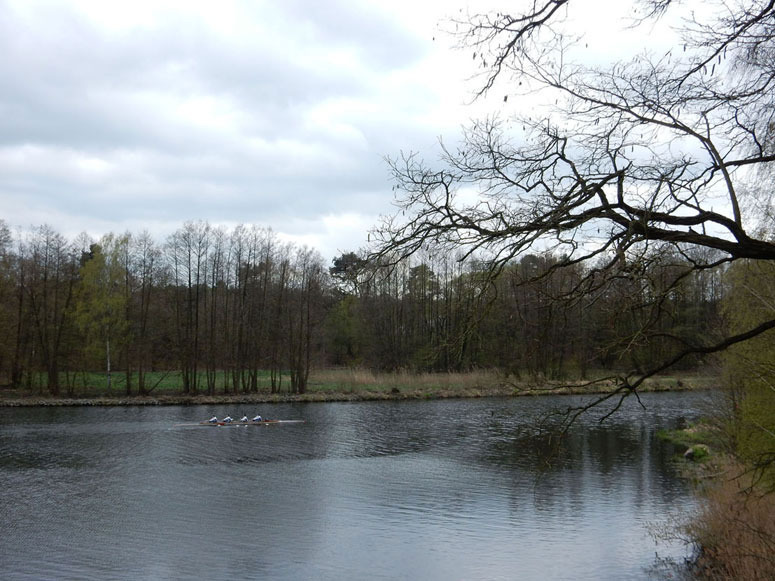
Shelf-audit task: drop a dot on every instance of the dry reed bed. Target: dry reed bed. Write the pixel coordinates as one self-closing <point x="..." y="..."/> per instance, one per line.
<point x="734" y="531"/>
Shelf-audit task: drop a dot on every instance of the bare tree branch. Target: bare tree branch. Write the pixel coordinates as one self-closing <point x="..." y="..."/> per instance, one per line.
<point x="648" y="155"/>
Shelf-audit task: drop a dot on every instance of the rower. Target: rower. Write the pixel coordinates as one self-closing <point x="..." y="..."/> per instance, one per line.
<point x="244" y="419"/>
<point x="227" y="420"/>
<point x="257" y="419"/>
<point x="213" y="420"/>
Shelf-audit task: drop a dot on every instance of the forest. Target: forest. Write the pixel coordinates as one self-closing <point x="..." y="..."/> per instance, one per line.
<point x="239" y="311"/>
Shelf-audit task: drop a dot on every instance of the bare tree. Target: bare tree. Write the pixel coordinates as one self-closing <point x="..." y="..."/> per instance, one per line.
<point x="51" y="276"/>
<point x="145" y="269"/>
<point x="303" y="312"/>
<point x="7" y="318"/>
<point x="187" y="249"/>
<point x="627" y="161"/>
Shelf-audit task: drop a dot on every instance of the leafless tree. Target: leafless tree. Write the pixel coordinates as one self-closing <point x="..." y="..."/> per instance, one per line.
<point x="621" y="163"/>
<point x="51" y="276"/>
<point x="146" y="274"/>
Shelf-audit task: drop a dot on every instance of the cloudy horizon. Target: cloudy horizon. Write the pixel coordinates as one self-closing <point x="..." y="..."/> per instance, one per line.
<point x="141" y="116"/>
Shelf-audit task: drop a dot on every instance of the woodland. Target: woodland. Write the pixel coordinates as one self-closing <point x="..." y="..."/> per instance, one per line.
<point x="239" y="311"/>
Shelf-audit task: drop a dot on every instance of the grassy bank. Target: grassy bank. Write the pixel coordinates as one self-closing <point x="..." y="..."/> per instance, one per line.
<point x="338" y="385"/>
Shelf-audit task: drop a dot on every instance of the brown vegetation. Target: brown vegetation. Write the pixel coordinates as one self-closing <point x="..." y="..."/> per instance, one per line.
<point x="735" y="531"/>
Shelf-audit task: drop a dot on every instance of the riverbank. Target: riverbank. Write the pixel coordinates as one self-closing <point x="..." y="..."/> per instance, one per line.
<point x="733" y="529"/>
<point x="389" y="387"/>
<point x="703" y="451"/>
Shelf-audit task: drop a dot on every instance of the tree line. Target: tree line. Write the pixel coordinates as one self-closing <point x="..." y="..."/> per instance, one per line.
<point x="238" y="311"/>
<point x="206" y="303"/>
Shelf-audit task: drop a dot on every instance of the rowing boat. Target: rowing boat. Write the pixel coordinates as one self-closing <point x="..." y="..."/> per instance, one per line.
<point x="248" y="423"/>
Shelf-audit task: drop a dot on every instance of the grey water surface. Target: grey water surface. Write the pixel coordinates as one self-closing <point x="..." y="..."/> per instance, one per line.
<point x="454" y="489"/>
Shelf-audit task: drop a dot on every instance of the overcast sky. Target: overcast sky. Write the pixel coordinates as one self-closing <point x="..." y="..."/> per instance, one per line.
<point x="138" y="115"/>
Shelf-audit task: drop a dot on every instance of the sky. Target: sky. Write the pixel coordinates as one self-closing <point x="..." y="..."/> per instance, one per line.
<point x="131" y="116"/>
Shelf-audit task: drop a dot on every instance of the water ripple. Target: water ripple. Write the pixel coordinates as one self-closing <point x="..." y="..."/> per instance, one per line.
<point x="431" y="490"/>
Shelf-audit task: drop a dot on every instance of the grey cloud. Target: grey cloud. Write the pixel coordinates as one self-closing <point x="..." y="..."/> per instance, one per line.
<point x="74" y="91"/>
<point x="367" y="28"/>
<point x="61" y="76"/>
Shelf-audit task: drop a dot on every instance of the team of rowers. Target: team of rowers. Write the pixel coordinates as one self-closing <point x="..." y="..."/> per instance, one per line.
<point x="229" y="419"/>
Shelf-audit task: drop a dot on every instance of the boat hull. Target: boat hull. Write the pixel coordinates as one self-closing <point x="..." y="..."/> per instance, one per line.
<point x="250" y="423"/>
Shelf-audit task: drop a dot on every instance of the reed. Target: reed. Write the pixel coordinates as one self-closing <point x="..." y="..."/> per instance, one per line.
<point x="349" y="380"/>
<point x="735" y="531"/>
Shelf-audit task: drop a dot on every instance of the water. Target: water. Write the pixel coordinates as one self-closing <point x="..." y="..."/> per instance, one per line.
<point x="384" y="490"/>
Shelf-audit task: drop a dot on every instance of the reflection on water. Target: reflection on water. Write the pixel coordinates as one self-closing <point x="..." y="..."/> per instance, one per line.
<point x="407" y="490"/>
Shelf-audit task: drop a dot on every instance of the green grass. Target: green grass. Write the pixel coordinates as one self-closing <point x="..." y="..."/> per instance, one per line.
<point x="90" y="384"/>
<point x="702" y="443"/>
<point x="697" y="433"/>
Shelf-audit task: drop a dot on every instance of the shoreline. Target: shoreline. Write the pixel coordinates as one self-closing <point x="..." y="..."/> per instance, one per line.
<point x="349" y="395"/>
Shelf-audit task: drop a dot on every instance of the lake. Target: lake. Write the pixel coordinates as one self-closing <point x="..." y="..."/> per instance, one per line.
<point x="449" y="489"/>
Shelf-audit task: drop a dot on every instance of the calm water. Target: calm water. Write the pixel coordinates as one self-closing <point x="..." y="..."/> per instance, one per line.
<point x="387" y="490"/>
